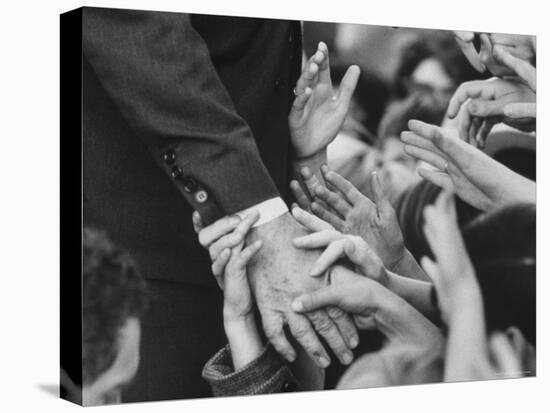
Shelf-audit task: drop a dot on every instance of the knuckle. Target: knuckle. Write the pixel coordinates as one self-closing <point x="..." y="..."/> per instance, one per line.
<point x="322" y="323"/>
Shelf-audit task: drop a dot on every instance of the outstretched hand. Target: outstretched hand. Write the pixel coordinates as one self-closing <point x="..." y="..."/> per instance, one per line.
<point x="346" y="209"/>
<point x="475" y="177"/>
<point x="318" y="111"/>
<point x="485" y="103"/>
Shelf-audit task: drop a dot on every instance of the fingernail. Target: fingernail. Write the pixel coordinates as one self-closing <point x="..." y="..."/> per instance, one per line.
<point x="353" y="342"/>
<point x="314" y="272"/>
<point x="324" y="362"/>
<point x="291" y="357"/>
<point x="297" y="305"/>
<point x="347" y="358"/>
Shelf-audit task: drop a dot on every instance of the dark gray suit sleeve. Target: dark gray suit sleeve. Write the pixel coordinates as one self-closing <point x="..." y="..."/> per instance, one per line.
<point x="266" y="374"/>
<point x="158" y="72"/>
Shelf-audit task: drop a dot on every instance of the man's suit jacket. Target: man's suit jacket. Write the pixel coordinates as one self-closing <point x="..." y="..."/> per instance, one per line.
<point x="182" y="112"/>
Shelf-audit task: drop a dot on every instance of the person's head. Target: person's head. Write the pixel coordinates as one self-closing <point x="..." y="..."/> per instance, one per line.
<point x="433" y="62"/>
<point x="502" y="247"/>
<point x="114" y="297"/>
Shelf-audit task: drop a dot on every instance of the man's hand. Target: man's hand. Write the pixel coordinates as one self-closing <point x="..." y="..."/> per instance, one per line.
<point x="318" y="111"/>
<point x="278" y="274"/>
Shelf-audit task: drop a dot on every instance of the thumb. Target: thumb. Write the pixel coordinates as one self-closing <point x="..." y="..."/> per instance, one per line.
<point x="520" y="110"/>
<point x="321" y="298"/>
<point x="347" y="85"/>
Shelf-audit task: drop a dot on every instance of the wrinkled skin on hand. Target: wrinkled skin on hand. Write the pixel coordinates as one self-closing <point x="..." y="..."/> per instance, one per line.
<point x="277" y="275"/>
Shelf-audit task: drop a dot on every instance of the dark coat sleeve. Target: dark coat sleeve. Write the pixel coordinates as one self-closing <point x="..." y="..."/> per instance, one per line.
<point x="266" y="374"/>
<point x="158" y="72"/>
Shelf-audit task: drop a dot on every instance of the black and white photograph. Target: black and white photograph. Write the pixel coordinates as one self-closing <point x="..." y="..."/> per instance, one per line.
<point x="278" y="206"/>
<point x="284" y="210"/>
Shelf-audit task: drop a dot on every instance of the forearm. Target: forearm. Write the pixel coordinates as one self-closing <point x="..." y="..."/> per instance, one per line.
<point x="244" y="341"/>
<point x="466" y="343"/>
<point x="416" y="293"/>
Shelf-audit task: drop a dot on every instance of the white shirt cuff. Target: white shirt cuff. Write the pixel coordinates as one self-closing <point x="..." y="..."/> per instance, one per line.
<point x="269" y="210"/>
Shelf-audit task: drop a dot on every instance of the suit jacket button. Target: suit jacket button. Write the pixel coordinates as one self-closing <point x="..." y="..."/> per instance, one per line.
<point x="201" y="196"/>
<point x="176" y="172"/>
<point x="169" y="157"/>
<point x="278" y="82"/>
<point x="189" y="184"/>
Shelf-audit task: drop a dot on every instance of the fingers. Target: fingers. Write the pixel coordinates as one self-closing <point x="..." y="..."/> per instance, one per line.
<point x="521" y="67"/>
<point x="327" y="296"/>
<point x="310" y="221"/>
<point x="320" y="209"/>
<point x="246" y="255"/>
<point x="236" y="237"/>
<point x="299" y="194"/>
<point x="520" y="110"/>
<point x="426" y="156"/>
<point x="274" y="332"/>
<point x="301" y="100"/>
<point x="213" y="232"/>
<point x="310" y="180"/>
<point x="317" y="239"/>
<point x="469" y="50"/>
<point x="303" y="332"/>
<point x="323" y="62"/>
<point x="330" y="255"/>
<point x="347" y="87"/>
<point x="438" y="178"/>
<point x="464" y="92"/>
<point x="345" y="324"/>
<point x="485" y="130"/>
<point x="413" y="139"/>
<point x="382" y="203"/>
<point x="327" y="329"/>
<point x="505" y="358"/>
<point x="334" y="200"/>
<point x="344" y="186"/>
<point x="197" y="221"/>
<point x="432" y="270"/>
<point x="456" y="150"/>
<point x="218" y="266"/>
<point x="307" y="78"/>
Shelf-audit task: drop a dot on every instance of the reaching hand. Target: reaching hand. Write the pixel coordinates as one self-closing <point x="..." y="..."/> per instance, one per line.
<point x="221" y="237"/>
<point x="488" y="102"/>
<point x="522" y="47"/>
<point x="468" y="353"/>
<point x="372" y="306"/>
<point x="475" y="177"/>
<point x="350" y="212"/>
<point x="453" y="275"/>
<point x="337" y="246"/>
<point x="318" y="112"/>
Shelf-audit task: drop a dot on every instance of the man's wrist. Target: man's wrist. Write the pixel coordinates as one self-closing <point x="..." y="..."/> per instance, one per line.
<point x="269" y="210"/>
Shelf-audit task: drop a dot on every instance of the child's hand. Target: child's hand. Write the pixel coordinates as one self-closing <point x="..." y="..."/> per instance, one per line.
<point x="238" y="303"/>
<point x="318" y="112"/>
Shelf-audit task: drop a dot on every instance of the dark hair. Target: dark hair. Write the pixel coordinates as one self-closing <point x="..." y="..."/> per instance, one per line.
<point x="502" y="247"/>
<point x="113" y="291"/>
<point x="424" y="106"/>
<point x="442" y="46"/>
